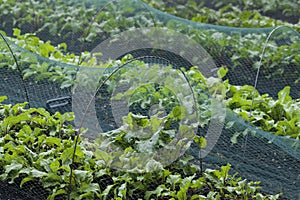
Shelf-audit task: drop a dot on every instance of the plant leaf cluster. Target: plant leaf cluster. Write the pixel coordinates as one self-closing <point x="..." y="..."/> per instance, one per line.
<point x="279" y="116"/>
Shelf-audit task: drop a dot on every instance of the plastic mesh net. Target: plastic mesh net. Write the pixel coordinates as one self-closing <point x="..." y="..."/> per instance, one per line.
<point x="151" y="84"/>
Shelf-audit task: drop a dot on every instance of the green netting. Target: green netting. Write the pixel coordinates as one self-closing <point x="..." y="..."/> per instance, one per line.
<point x="109" y="87"/>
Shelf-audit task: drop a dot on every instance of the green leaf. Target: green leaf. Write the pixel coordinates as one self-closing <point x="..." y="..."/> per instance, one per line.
<point x="225" y="172"/>
<point x="177" y="112"/>
<point x="156" y="123"/>
<point x="153" y="165"/>
<point x="105" y="156"/>
<point x="222" y="72"/>
<point x="25" y="180"/>
<point x="17" y="32"/>
<point x="284" y="95"/>
<point x="89" y="187"/>
<point x="173" y="180"/>
<point x="229" y="124"/>
<point x="66" y="156"/>
<point x="157" y="192"/>
<point x="53" y="141"/>
<point x="45" y="163"/>
<point x="234" y="137"/>
<point x="54" y="166"/>
<point x="52" y="180"/>
<point x="105" y="193"/>
<point x="122" y="190"/>
<point x="37" y="173"/>
<point x="14" y="166"/>
<point x="56" y="192"/>
<point x="200" y="141"/>
<point x="81" y="175"/>
<point x="3" y="98"/>
<point x="10" y="121"/>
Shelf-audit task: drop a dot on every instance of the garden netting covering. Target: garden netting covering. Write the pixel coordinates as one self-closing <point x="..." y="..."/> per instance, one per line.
<point x="133" y="70"/>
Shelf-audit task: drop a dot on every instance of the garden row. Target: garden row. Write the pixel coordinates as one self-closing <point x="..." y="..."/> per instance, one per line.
<point x="36" y="151"/>
<point x="83" y="26"/>
<point x="247" y="14"/>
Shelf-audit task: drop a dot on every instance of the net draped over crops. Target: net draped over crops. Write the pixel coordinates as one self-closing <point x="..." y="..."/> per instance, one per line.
<point x="138" y="67"/>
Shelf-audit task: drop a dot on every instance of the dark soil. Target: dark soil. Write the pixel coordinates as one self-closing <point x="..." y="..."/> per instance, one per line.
<point x="11" y="192"/>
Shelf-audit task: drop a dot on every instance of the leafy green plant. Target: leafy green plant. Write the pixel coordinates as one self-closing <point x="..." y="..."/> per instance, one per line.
<point x="32" y="43"/>
<point x="279" y="116"/>
<point x="36" y="147"/>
